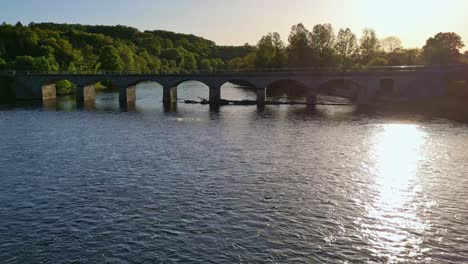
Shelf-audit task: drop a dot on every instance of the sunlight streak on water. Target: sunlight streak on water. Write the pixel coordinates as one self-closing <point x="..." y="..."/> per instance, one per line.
<point x="397" y="151"/>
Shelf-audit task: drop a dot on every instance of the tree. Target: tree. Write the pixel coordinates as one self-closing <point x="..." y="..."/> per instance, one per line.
<point x="299" y="52"/>
<point x="369" y="45"/>
<point x="24" y="63"/>
<point x="443" y="48"/>
<point x="127" y="56"/>
<point x="346" y="46"/>
<point x="322" y="41"/>
<point x="45" y="64"/>
<point x="171" y="54"/>
<point x="152" y="45"/>
<point x="390" y="44"/>
<point x="270" y="52"/>
<point x="110" y="59"/>
<point x="189" y="63"/>
<point x="205" y="65"/>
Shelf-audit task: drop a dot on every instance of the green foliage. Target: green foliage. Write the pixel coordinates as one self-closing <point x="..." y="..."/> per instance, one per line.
<point x="443" y="48"/>
<point x="346" y="47"/>
<point x="82" y="48"/>
<point x="299" y="51"/>
<point x="65" y="87"/>
<point x="369" y="45"/>
<point x="110" y="60"/>
<point x="205" y="65"/>
<point x="23" y="63"/>
<point x="3" y="64"/>
<point x="270" y="52"/>
<point x="322" y="43"/>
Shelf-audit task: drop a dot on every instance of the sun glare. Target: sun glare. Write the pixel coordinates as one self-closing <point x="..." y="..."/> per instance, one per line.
<point x="397" y="152"/>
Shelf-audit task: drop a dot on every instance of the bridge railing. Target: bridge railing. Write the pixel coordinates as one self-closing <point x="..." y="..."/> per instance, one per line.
<point x="256" y="70"/>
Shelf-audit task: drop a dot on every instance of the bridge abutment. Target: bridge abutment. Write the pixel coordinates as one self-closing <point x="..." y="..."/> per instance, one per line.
<point x="169" y="94"/>
<point x="215" y="96"/>
<point x="261" y="97"/>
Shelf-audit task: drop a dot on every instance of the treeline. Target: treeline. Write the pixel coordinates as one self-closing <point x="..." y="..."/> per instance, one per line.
<point x="322" y="47"/>
<point x="79" y="48"/>
<point x="82" y="48"/>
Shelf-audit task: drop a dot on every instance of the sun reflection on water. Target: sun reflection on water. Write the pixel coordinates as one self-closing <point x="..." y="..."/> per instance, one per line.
<point x="393" y="223"/>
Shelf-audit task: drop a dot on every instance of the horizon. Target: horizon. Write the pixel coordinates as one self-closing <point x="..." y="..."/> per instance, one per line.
<point x="361" y="14"/>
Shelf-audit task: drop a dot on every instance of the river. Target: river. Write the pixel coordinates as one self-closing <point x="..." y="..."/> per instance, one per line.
<point x="282" y="185"/>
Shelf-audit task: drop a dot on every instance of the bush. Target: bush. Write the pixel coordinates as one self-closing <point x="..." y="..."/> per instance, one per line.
<point x="65" y="87"/>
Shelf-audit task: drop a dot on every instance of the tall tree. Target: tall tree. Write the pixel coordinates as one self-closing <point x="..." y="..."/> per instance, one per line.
<point x="390" y="44"/>
<point x="346" y="46"/>
<point x="322" y="41"/>
<point x="270" y="52"/>
<point x="443" y="48"/>
<point x="299" y="52"/>
<point x="369" y="45"/>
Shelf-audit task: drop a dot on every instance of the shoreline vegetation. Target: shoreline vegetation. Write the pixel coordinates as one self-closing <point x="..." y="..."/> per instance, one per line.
<point x="51" y="47"/>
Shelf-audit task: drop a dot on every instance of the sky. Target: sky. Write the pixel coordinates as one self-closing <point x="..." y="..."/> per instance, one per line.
<point x="235" y="22"/>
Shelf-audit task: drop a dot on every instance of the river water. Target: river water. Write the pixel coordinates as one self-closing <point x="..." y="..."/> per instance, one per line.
<point x="190" y="185"/>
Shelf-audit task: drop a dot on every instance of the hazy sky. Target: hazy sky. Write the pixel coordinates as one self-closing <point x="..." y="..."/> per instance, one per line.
<point x="236" y="22"/>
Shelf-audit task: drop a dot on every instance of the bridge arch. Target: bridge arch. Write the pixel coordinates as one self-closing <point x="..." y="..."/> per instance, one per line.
<point x="141" y="89"/>
<point x="288" y="87"/>
<point x="238" y="89"/>
<point x="189" y="89"/>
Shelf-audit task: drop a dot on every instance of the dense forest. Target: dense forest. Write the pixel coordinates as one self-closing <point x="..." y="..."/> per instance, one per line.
<point x="82" y="48"/>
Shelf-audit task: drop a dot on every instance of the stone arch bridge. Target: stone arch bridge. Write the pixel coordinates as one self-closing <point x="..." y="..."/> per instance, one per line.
<point x="404" y="82"/>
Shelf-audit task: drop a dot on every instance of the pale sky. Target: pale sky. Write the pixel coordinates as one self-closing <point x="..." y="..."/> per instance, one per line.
<point x="235" y="22"/>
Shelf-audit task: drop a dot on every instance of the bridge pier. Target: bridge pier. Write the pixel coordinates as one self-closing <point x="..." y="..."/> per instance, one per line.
<point x="127" y="94"/>
<point x="85" y="93"/>
<point x="311" y="98"/>
<point x="261" y="97"/>
<point x="169" y="94"/>
<point x="215" y="96"/>
<point x="49" y="92"/>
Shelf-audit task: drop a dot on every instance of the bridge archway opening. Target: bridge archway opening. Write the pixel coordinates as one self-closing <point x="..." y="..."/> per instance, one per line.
<point x="287" y="89"/>
<point x="338" y="91"/>
<point x="104" y="86"/>
<point x="238" y="90"/>
<point x="192" y="90"/>
<point x="147" y="92"/>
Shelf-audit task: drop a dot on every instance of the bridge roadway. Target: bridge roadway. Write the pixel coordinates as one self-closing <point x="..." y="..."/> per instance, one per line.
<point x="402" y="82"/>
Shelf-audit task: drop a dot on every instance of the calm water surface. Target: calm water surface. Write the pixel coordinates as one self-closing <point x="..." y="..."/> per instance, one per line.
<point x="188" y="184"/>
